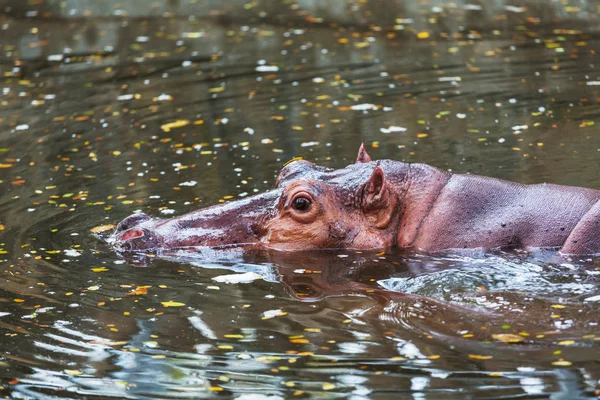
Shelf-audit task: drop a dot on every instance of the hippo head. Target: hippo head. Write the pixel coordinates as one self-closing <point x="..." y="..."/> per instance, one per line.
<point x="311" y="207"/>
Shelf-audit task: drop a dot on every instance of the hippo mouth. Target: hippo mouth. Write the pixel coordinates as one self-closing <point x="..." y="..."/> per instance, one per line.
<point x="137" y="239"/>
<point x="140" y="240"/>
<point x="130" y="236"/>
<point x="223" y="226"/>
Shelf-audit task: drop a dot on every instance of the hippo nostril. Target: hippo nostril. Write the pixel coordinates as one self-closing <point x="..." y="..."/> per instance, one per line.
<point x="131" y="221"/>
<point x="132" y="234"/>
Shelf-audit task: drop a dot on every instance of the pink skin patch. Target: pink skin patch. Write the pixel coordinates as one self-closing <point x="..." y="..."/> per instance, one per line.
<point x="132" y="234"/>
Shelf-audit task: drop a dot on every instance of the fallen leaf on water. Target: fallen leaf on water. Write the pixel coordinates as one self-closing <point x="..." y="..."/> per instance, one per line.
<point x="273" y="313"/>
<point x="562" y="363"/>
<point x="480" y="357"/>
<point x="566" y="342"/>
<point x="299" y="341"/>
<point x="176" y="124"/>
<point x="143" y="290"/>
<point x="171" y="303"/>
<point x="102" y="228"/>
<point x="508" y="338"/>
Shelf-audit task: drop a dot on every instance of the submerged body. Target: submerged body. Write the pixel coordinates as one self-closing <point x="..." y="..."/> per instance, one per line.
<point x="375" y="205"/>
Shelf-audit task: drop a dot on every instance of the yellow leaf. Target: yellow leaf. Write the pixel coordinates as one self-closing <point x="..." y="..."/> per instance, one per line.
<point x="176" y="124"/>
<point x="479" y="357"/>
<point x="102" y="228"/>
<point x="508" y="338"/>
<point x="171" y="303"/>
<point x="234" y="336"/>
<point x="562" y="363"/>
<point x="299" y="341"/>
<point x="292" y="160"/>
<point x="566" y="342"/>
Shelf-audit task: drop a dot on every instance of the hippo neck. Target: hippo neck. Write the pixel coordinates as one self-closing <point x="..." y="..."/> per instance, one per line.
<point x="416" y="198"/>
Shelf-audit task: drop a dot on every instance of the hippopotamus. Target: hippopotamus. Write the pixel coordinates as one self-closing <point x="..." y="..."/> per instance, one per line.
<point x="378" y="205"/>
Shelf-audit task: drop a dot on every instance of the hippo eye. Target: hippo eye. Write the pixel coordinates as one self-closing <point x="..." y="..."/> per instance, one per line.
<point x="301" y="204"/>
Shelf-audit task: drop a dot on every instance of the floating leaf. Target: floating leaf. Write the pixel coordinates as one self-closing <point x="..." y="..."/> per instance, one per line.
<point x="562" y="363"/>
<point x="234" y="336"/>
<point x="102" y="228"/>
<point x="508" y="338"/>
<point x="566" y="342"/>
<point x="480" y="357"/>
<point x="73" y="372"/>
<point x="140" y="290"/>
<point x="176" y="124"/>
<point x="171" y="303"/>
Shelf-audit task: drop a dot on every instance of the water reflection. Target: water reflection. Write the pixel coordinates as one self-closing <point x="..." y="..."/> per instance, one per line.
<point x="110" y="107"/>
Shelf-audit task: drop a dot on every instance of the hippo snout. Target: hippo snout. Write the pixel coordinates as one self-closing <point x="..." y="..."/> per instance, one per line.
<point x="137" y="239"/>
<point x="131" y="235"/>
<point x="131" y="221"/>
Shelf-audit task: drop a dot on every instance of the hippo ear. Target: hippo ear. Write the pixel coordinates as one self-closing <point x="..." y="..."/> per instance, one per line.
<point x="377" y="199"/>
<point x="363" y="156"/>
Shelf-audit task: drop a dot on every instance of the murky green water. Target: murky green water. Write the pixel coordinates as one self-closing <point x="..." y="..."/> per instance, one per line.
<point x="110" y="107"/>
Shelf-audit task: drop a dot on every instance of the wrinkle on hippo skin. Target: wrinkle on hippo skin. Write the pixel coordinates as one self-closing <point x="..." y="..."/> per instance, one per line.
<point x="381" y="204"/>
